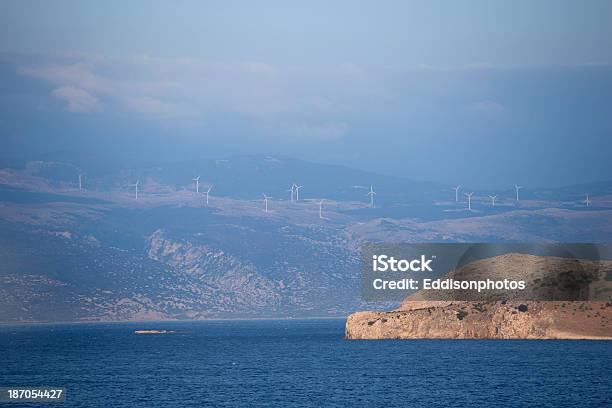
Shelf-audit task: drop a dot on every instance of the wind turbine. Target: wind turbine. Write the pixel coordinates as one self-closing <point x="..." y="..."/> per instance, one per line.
<point x="197" y="183"/>
<point x="469" y="196"/>
<point x="371" y="194"/>
<point x="266" y="202"/>
<point x="493" y="200"/>
<point x="292" y="191"/>
<point x="588" y="200"/>
<point x="456" y="188"/>
<point x="321" y="209"/>
<point x="80" y="182"/>
<point x="297" y="192"/>
<point x="207" y="192"/>
<point x="135" y="185"/>
<point x="517" y="188"/>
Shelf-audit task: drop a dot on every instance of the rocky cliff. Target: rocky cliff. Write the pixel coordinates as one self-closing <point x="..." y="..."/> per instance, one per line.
<point x="492" y="320"/>
<point x="420" y="317"/>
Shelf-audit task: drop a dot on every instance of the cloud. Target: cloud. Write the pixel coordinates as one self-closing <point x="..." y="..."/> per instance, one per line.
<point x="170" y="88"/>
<point x="77" y="100"/>
<point x="74" y="74"/>
<point x="304" y="102"/>
<point x="192" y="88"/>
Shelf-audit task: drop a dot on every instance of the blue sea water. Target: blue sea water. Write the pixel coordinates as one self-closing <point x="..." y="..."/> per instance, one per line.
<point x="296" y="363"/>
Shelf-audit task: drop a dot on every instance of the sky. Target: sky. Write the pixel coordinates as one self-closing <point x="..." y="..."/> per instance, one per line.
<point x="485" y="93"/>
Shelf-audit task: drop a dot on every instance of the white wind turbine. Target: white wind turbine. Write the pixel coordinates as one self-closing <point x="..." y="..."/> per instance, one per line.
<point x="207" y="192"/>
<point x="197" y="183"/>
<point x="456" y="188"/>
<point x="265" y="202"/>
<point x="321" y="209"/>
<point x="517" y="188"/>
<point x="469" y="196"/>
<point x="292" y="190"/>
<point x="135" y="185"/>
<point x="588" y="201"/>
<point x="371" y="193"/>
<point x="493" y="197"/>
<point x="297" y="192"/>
<point x="80" y="182"/>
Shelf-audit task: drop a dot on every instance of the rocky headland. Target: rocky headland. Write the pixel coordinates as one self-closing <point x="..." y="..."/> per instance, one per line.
<point x="419" y="317"/>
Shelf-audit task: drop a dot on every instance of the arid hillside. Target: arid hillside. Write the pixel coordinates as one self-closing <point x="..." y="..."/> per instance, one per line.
<point x="421" y="317"/>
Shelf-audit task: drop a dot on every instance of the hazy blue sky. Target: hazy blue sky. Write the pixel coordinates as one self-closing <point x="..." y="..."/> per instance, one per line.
<point x="484" y="93"/>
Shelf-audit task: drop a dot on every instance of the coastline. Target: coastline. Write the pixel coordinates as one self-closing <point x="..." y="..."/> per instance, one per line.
<point x="494" y="320"/>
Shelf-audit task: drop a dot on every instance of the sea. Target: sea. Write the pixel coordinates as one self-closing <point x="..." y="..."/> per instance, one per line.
<point x="295" y="363"/>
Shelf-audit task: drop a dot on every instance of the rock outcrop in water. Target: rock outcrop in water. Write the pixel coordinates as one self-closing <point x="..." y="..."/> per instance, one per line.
<point x="419" y="317"/>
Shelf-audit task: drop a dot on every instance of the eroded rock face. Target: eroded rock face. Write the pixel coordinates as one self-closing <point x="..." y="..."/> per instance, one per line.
<point x="237" y="284"/>
<point x="241" y="278"/>
<point x="492" y="320"/>
<point x="420" y="316"/>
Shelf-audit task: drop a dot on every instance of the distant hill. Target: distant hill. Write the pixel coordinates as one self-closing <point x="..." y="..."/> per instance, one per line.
<point x="248" y="177"/>
<point x="100" y="254"/>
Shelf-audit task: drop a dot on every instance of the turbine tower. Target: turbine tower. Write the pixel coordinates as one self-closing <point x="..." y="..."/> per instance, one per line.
<point x="371" y="194"/>
<point x="207" y="192"/>
<point x="456" y="188"/>
<point x="321" y="209"/>
<point x="517" y="188"/>
<point x="292" y="190"/>
<point x="80" y="182"/>
<point x="588" y="201"/>
<point x="297" y="192"/>
<point x="469" y="196"/>
<point x="197" y="183"/>
<point x="265" y="202"/>
<point x="135" y="185"/>
<point x="493" y="197"/>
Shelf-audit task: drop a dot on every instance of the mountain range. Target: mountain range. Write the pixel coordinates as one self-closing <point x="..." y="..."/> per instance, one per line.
<point x="100" y="254"/>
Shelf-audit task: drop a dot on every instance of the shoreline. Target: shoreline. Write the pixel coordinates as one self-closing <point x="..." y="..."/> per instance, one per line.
<point x="91" y="322"/>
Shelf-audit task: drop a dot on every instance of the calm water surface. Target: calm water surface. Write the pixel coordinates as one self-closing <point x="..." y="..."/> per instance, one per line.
<point x="294" y="363"/>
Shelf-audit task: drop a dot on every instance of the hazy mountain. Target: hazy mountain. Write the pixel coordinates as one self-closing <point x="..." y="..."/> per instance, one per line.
<point x="101" y="254"/>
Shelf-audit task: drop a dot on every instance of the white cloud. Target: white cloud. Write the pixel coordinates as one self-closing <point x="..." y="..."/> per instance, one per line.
<point x="77" y="100"/>
<point x="301" y="102"/>
<point x="73" y="74"/>
<point x="181" y="87"/>
<point x="184" y="86"/>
